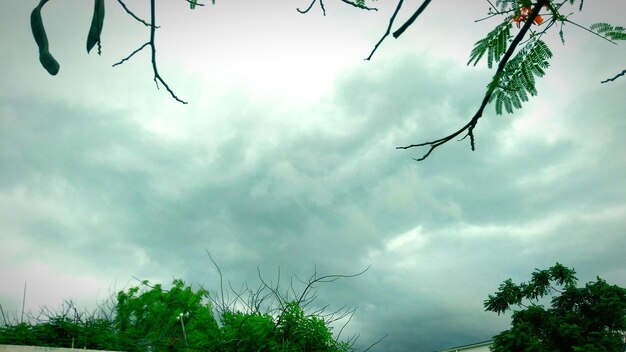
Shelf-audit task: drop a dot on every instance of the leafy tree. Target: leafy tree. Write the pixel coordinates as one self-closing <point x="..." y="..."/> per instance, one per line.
<point x="590" y="318"/>
<point x="165" y="320"/>
<point x="292" y="330"/>
<point x="272" y="317"/>
<point x="151" y="319"/>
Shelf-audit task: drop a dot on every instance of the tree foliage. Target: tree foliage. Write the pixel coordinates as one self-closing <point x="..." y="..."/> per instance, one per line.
<point x="589" y="318"/>
<point x="149" y="318"/>
<point x="521" y="58"/>
<point x="65" y="327"/>
<point x="165" y="319"/>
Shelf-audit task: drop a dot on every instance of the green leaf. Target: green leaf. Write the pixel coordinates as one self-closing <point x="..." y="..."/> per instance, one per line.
<point x="609" y="31"/>
<point x="519" y="76"/>
<point x="494" y="44"/>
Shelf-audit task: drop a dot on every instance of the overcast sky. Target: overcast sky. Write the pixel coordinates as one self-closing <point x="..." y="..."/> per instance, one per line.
<point x="285" y="157"/>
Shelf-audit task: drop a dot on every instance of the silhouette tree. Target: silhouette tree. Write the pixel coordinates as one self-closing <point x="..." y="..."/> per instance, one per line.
<point x="590" y="318"/>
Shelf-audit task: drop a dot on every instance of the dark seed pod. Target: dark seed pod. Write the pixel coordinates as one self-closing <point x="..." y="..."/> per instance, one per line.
<point x="49" y="62"/>
<point x="39" y="33"/>
<point x="97" y="22"/>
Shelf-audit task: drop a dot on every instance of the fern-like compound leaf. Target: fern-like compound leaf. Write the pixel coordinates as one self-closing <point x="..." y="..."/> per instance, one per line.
<point x="517" y="81"/>
<point x="609" y="31"/>
<point x="506" y="5"/>
<point x="494" y="44"/>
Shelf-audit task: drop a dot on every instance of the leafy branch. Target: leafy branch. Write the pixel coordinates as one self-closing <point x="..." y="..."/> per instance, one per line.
<point x="515" y="76"/>
<point x="510" y="294"/>
<point x="468" y="129"/>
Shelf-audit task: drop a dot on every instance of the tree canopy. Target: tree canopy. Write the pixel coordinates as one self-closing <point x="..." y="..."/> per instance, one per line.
<point x="589" y="318"/>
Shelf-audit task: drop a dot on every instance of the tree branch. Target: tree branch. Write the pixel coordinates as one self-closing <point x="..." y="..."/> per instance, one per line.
<point x="157" y="76"/>
<point x="128" y="11"/>
<point x="152" y="43"/>
<point x="614" y="77"/>
<point x="363" y="7"/>
<point x="411" y="19"/>
<point x="352" y="3"/>
<point x="391" y="20"/>
<point x="402" y="28"/>
<point x="326" y="278"/>
<point x="131" y="54"/>
<point x="469" y="127"/>
<point x="310" y="7"/>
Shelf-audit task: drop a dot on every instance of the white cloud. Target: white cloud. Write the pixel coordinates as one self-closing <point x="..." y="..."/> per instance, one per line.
<point x="105" y="177"/>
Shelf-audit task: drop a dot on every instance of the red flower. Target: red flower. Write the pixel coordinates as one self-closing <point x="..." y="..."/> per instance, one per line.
<point x="523" y="17"/>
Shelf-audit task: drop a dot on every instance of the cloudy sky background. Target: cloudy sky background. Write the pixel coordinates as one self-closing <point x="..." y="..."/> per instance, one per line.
<point x="285" y="158"/>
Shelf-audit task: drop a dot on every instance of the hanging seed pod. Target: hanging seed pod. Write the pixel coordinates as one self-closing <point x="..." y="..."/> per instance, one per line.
<point x="39" y="33"/>
<point x="97" y="21"/>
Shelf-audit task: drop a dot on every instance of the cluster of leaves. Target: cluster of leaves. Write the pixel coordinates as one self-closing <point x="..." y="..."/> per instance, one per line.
<point x="512" y="85"/>
<point x="150" y="318"/>
<point x="590" y="318"/>
<point x="518" y="78"/>
<point x="292" y="330"/>
<point x="515" y="78"/>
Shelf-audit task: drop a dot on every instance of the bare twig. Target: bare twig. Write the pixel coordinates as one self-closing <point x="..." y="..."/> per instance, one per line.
<point x="309" y="8"/>
<point x="375" y="343"/>
<point x="23" y="303"/>
<point x="4" y="318"/>
<point x="157" y="76"/>
<point x="326" y="278"/>
<point x="391" y="20"/>
<point x="402" y="28"/>
<point x="152" y="43"/>
<point x="131" y="54"/>
<point x="195" y="3"/>
<point x="614" y="77"/>
<point x="352" y="3"/>
<point x="469" y="127"/>
<point x="219" y="271"/>
<point x="128" y="11"/>
<point x="363" y="7"/>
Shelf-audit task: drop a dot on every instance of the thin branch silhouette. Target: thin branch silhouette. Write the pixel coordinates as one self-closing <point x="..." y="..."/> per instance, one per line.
<point x="468" y="128"/>
<point x="614" y="77"/>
